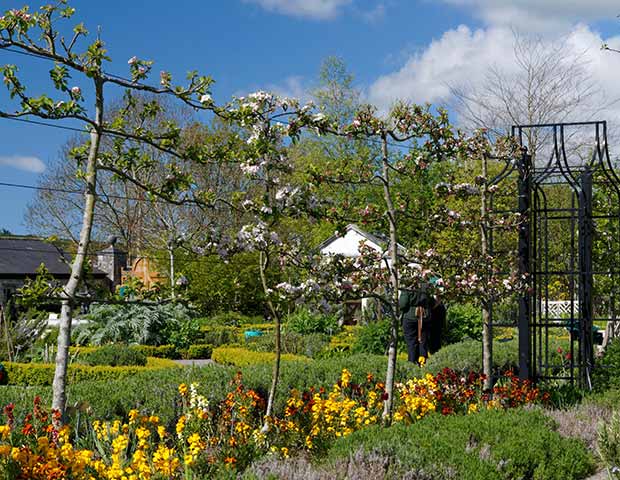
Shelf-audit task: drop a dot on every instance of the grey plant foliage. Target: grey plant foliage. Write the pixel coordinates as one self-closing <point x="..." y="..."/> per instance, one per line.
<point x="609" y="445"/>
<point x="132" y="323"/>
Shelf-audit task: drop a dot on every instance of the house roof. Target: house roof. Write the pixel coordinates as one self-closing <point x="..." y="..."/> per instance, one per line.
<point x="22" y="256"/>
<point x="377" y="240"/>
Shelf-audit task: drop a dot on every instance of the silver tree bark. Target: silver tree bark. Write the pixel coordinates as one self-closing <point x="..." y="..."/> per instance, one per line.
<point x="487" y="331"/>
<point x="393" y="255"/>
<point x="59" y="387"/>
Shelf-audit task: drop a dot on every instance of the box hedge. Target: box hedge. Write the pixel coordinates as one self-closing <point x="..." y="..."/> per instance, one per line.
<point x="200" y="351"/>
<point x="43" y="373"/>
<point x="241" y="357"/>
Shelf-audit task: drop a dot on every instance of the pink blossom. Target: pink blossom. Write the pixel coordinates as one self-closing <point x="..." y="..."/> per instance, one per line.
<point x="132" y="60"/>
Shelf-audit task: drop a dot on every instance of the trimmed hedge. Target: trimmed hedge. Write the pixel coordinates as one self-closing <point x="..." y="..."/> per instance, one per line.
<point x="113" y="356"/>
<point x="198" y="351"/>
<point x="43" y="373"/>
<point x="241" y="357"/>
<point x="161" y="351"/>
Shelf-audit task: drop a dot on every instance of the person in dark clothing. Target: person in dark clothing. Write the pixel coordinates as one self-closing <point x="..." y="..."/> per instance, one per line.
<point x="415" y="310"/>
<point x="437" y="323"/>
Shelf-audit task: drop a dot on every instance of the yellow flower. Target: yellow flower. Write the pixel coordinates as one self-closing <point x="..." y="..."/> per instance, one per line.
<point x="183" y="390"/>
<point x="181" y="426"/>
<point x="165" y="460"/>
<point x="133" y="415"/>
<point x="345" y="378"/>
<point x="422" y="361"/>
<point x="5" y="430"/>
<point x="472" y="408"/>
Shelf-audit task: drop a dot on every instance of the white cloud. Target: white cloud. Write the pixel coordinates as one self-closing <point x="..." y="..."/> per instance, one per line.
<point x="292" y="87"/>
<point x="375" y="14"/>
<point x="463" y="56"/>
<point x="426" y="76"/>
<point x="21" y="162"/>
<point x="314" y="9"/>
<point x="539" y="15"/>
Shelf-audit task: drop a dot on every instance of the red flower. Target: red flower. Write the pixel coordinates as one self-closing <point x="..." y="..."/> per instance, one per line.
<point x="28" y="429"/>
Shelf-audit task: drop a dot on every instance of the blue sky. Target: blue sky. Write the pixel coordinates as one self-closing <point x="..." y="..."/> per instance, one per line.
<point x="395" y="48"/>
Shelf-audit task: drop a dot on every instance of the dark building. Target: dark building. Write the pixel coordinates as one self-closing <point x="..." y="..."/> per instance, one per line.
<point x="20" y="257"/>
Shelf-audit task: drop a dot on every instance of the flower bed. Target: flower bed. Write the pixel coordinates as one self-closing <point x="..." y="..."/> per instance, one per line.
<point x="215" y="436"/>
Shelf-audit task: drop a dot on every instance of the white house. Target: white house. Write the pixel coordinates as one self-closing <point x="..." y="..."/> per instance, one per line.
<point x="348" y="245"/>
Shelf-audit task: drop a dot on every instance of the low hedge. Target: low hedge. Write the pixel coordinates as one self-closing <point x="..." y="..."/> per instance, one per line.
<point x="310" y="345"/>
<point x="241" y="357"/>
<point x="43" y="373"/>
<point x="200" y="351"/>
<point x="161" y="351"/>
<point x="113" y="356"/>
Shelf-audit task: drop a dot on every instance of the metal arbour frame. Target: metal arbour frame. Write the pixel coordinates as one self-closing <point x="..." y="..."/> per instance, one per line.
<point x="568" y="245"/>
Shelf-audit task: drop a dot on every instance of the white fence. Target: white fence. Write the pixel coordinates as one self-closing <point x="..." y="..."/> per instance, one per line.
<point x="558" y="308"/>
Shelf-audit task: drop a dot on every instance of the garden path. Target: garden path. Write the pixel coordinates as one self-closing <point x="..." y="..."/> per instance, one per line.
<point x="195" y="362"/>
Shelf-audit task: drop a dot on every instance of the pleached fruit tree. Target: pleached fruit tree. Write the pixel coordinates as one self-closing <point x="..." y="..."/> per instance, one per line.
<point x="79" y="86"/>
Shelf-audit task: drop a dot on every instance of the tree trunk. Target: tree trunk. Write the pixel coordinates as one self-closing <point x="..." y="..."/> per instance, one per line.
<point x="59" y="395"/>
<point x="278" y="348"/>
<point x="395" y="310"/>
<point x="487" y="333"/>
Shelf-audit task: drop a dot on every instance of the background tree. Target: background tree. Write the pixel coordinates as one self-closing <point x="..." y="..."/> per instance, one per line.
<point x="549" y="83"/>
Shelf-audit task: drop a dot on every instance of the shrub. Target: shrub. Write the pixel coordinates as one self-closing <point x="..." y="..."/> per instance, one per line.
<point x="183" y="333"/>
<point x="242" y="357"/>
<point x="466" y="356"/>
<point x="463" y="322"/>
<point x="217" y="336"/>
<point x="304" y="321"/>
<point x="199" y="351"/>
<point x="487" y="445"/>
<point x="374" y="338"/>
<point x="606" y="375"/>
<point x="309" y="345"/>
<point x="113" y="356"/>
<point x="229" y="319"/>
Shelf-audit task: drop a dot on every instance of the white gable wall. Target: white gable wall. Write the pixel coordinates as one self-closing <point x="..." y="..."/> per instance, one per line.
<point x="348" y="245"/>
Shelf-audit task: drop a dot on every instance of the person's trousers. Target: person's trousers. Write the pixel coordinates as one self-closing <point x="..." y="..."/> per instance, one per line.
<point x="415" y="348"/>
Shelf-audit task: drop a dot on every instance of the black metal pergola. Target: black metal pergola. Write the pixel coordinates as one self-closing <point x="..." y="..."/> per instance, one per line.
<point x="568" y="245"/>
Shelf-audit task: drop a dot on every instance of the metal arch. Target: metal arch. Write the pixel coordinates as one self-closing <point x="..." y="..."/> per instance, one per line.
<point x="578" y="176"/>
